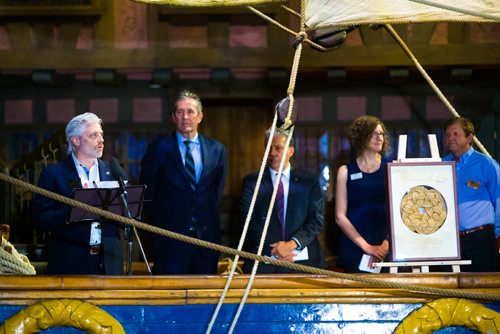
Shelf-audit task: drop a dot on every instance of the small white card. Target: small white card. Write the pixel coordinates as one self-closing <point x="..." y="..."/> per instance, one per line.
<point x="356" y="176"/>
<point x="303" y="255"/>
<point x="366" y="264"/>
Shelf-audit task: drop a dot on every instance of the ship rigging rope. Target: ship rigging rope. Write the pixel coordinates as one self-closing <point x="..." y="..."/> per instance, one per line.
<point x="263" y="236"/>
<point x="476" y="17"/>
<point x="228" y="250"/>
<point x="401" y="43"/>
<point x="429" y="80"/>
<point x="457" y="9"/>
<point x="11" y="262"/>
<point x="287" y="123"/>
<point x="279" y="25"/>
<point x="301" y="37"/>
<point x="245" y="229"/>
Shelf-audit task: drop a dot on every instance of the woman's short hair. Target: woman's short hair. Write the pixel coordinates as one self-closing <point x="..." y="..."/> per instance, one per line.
<point x="361" y="131"/>
<point x="75" y="127"/>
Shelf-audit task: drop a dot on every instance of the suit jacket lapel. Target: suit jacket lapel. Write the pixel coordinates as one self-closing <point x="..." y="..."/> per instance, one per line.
<point x="206" y="151"/>
<point x="172" y="154"/>
<point x="292" y="194"/>
<point x="267" y="188"/>
<point x="207" y="154"/>
<point x="172" y="149"/>
<point x="71" y="175"/>
<point x="267" y="184"/>
<point x="104" y="172"/>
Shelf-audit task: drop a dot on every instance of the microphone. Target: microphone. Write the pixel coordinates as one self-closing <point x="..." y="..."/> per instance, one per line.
<point x="118" y="173"/>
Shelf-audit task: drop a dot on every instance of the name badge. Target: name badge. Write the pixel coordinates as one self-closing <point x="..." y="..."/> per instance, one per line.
<point x="473" y="184"/>
<point x="356" y="176"/>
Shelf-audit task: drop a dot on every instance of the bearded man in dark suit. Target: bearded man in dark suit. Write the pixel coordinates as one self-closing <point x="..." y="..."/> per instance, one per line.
<point x="78" y="247"/>
<point x="185" y="174"/>
<point x="294" y="227"/>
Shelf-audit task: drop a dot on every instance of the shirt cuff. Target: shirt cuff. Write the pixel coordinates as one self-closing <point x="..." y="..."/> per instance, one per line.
<point x="299" y="246"/>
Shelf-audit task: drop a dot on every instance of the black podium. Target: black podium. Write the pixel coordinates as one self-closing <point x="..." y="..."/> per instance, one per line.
<point x="127" y="202"/>
<point x="107" y="199"/>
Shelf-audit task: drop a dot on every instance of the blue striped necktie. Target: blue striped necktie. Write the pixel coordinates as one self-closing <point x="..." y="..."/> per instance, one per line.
<point x="189" y="164"/>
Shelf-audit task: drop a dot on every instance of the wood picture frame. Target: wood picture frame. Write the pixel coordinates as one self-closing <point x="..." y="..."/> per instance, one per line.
<point x="423" y="211"/>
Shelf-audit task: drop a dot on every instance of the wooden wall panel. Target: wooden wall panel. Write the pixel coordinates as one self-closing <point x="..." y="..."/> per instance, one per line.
<point x="241" y="128"/>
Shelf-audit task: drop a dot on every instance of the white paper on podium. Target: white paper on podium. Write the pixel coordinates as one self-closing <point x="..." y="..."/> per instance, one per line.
<point x="107" y="184"/>
<point x="366" y="264"/>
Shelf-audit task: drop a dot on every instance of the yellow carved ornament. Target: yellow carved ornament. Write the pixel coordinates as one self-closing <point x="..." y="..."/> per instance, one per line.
<point x="61" y="313"/>
<point x="449" y="312"/>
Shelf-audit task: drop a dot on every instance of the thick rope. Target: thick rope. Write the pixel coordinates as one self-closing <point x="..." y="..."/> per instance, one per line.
<point x="211" y="3"/>
<point x="223" y="249"/>
<point x="11" y="262"/>
<point x="263" y="235"/>
<point x="485" y="18"/>
<point x="245" y="227"/>
<point x="291" y="11"/>
<point x="302" y="14"/>
<point x="237" y="3"/>
<point x="279" y="25"/>
<point x="287" y="124"/>
<point x="456" y="9"/>
<point x="295" y="66"/>
<point x="436" y="89"/>
<point x="349" y="24"/>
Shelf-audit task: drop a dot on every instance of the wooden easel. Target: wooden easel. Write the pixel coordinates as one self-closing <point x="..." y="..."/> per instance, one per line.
<point x="421" y="266"/>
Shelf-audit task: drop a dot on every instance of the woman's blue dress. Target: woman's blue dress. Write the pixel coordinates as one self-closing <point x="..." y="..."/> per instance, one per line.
<point x="366" y="210"/>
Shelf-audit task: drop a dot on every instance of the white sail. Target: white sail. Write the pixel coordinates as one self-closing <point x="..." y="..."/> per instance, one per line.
<point x="330" y="13"/>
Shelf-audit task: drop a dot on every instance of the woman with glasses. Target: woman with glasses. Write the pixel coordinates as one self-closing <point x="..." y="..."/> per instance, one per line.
<point x="360" y="208"/>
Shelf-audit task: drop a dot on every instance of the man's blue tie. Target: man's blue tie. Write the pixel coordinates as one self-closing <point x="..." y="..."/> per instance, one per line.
<point x="189" y="164"/>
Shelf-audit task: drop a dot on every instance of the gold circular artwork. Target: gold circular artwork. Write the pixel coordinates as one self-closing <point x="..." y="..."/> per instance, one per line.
<point x="423" y="210"/>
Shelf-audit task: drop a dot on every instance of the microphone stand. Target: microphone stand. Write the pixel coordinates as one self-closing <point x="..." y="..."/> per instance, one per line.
<point x="128" y="235"/>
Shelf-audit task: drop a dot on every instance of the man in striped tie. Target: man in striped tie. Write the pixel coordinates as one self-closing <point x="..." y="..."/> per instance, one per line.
<point x="185" y="175"/>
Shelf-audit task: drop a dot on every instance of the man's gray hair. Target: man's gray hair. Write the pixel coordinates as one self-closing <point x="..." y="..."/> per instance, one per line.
<point x="280" y="132"/>
<point x="187" y="94"/>
<point x="75" y="127"/>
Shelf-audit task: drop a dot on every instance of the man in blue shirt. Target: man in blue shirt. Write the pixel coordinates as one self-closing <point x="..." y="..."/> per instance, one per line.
<point x="78" y="248"/>
<point x="478" y="188"/>
<point x="185" y="175"/>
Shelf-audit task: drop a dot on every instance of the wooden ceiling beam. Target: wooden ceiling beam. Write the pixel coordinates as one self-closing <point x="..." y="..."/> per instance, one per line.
<point x="435" y="55"/>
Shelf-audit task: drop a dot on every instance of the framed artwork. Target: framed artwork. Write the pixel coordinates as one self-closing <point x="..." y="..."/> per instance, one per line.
<point x="423" y="211"/>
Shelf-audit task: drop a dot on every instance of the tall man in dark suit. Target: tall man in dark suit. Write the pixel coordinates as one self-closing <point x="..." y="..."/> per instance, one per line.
<point x="78" y="247"/>
<point x="185" y="175"/>
<point x="295" y="223"/>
